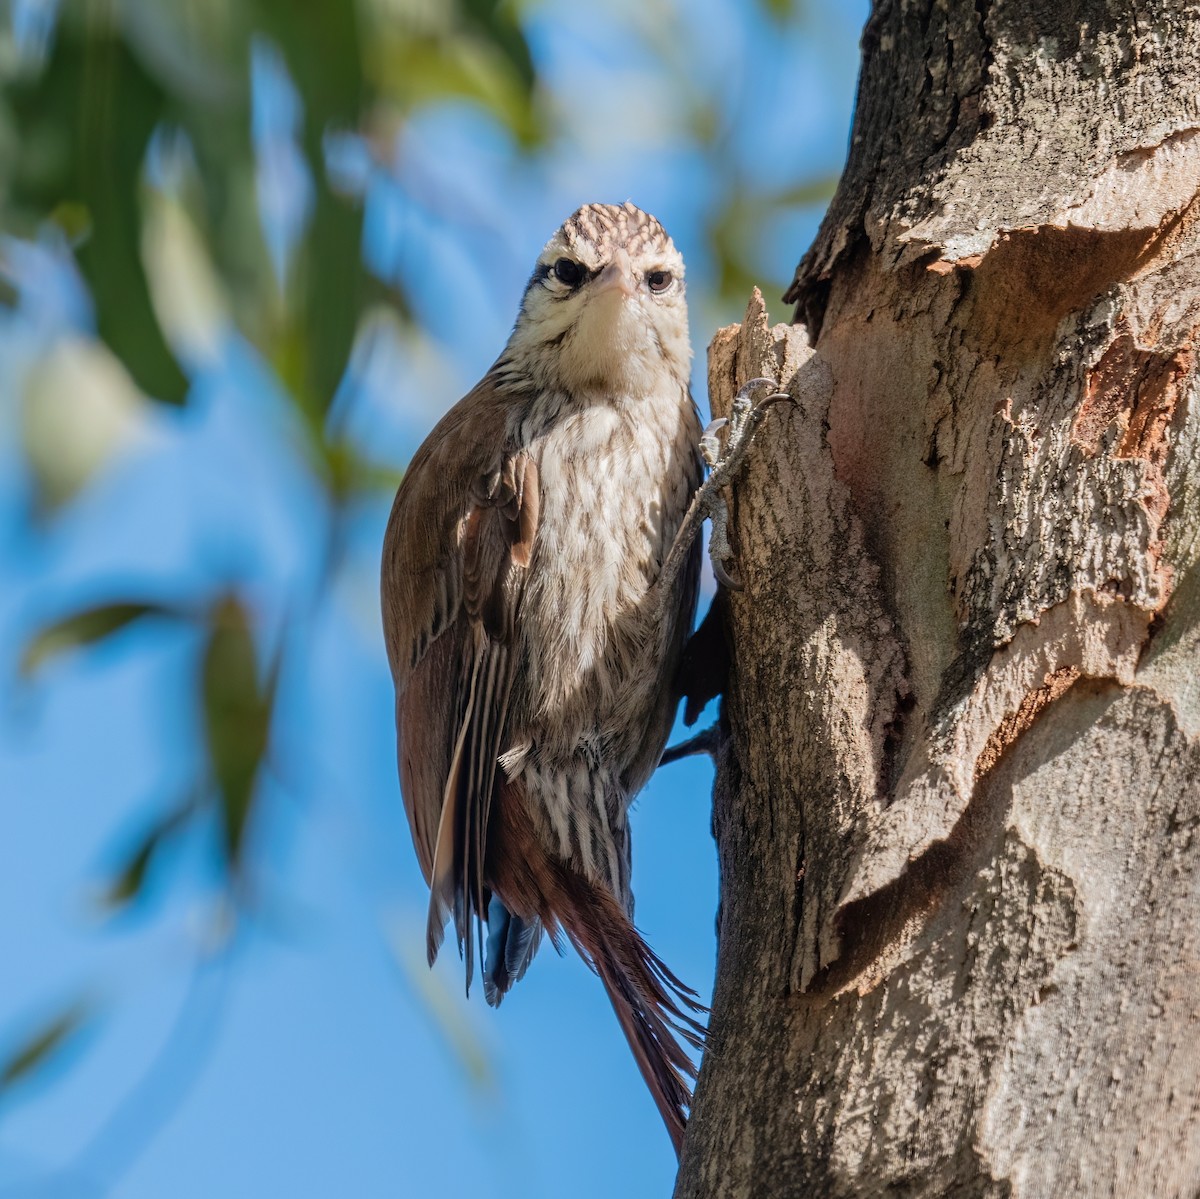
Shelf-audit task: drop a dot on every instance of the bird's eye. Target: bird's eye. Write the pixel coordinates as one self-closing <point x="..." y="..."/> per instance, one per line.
<point x="659" y="280"/>
<point x="568" y="271"/>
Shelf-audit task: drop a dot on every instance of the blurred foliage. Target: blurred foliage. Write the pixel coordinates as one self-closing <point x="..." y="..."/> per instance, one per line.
<point x="120" y="70"/>
<point x="130" y="130"/>
<point x="83" y="628"/>
<point x="129" y="879"/>
<point x="746" y="212"/>
<point x="44" y="1044"/>
<point x="406" y="941"/>
<point x="136" y="142"/>
<point x="90" y="113"/>
<point x="237" y="718"/>
<point x="129" y="134"/>
<point x="237" y="701"/>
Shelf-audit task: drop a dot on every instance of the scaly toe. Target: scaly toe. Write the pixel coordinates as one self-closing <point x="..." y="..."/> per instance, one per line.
<point x="745" y="417"/>
<point x="710" y="442"/>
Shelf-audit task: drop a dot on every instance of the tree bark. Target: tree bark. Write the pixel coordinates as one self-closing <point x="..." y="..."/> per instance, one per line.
<point x="958" y="812"/>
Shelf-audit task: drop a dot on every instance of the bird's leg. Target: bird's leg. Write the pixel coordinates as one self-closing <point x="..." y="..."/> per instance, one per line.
<point x="705" y="665"/>
<point x="744" y="418"/>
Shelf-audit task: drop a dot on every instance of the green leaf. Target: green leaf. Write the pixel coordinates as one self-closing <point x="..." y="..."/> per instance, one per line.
<point x="780" y="10"/>
<point x="348" y="473"/>
<point x="85" y="628"/>
<point x="84" y="124"/>
<point x="126" y="885"/>
<point x="416" y="71"/>
<point x="237" y="717"/>
<point x="801" y="195"/>
<point x="496" y="20"/>
<point x="321" y="47"/>
<point x="80" y="409"/>
<point x="417" y="53"/>
<point x="45" y="1042"/>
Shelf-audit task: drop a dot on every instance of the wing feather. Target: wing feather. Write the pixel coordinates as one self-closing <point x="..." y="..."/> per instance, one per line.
<point x="458" y="548"/>
<point x="429" y="645"/>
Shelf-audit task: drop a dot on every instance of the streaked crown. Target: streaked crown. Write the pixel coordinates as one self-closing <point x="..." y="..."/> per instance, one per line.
<point x="604" y="309"/>
<point x="595" y="231"/>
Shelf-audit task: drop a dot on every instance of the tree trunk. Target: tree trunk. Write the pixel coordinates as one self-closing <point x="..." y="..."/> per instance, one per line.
<point x="959" y="811"/>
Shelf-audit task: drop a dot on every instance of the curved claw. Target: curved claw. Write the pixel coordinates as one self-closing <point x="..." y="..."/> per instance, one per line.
<point x="743" y="401"/>
<point x="710" y="443"/>
<point x="753" y="417"/>
<point x="777" y="397"/>
<point x="746" y="413"/>
<point x="745" y="424"/>
<point x="725" y="578"/>
<point x="744" y="405"/>
<point x="749" y="386"/>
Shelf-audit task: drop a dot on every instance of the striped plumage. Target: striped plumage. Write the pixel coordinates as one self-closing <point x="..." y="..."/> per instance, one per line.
<point x="533" y="671"/>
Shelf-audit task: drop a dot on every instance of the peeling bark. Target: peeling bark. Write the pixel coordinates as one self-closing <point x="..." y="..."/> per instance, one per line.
<point x="957" y="814"/>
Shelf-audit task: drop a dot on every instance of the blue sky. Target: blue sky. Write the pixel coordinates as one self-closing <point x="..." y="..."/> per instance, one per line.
<point x="317" y="1057"/>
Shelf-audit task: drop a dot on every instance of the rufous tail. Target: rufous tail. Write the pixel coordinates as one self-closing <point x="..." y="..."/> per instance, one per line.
<point x="656" y="1011"/>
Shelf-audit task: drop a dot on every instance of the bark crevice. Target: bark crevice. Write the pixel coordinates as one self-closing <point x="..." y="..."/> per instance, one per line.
<point x="960" y="870"/>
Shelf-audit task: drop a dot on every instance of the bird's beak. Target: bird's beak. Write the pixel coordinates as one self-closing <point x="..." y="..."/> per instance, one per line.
<point x="617" y="276"/>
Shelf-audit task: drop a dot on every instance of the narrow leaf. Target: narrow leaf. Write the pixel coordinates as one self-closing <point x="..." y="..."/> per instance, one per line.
<point x="85" y="628"/>
<point x="85" y="122"/>
<point x="237" y="713"/>
<point x="45" y="1042"/>
<point x="322" y="47"/>
<point x="126" y="885"/>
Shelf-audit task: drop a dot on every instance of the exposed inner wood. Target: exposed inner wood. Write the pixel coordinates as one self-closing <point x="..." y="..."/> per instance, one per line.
<point x="958" y="813"/>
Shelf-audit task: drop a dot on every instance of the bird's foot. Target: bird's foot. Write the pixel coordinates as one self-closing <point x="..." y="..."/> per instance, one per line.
<point x="725" y="462"/>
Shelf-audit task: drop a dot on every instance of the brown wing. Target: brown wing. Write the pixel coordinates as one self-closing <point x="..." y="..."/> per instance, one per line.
<point x="497" y="545"/>
<point x="421" y="596"/>
<point x="421" y="575"/>
<point x="458" y="546"/>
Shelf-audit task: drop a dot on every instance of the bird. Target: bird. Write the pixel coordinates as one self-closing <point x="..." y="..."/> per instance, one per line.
<point x="534" y="637"/>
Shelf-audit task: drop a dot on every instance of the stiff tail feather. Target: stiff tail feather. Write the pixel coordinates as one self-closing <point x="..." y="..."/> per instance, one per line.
<point x="457" y="883"/>
<point x="656" y="1011"/>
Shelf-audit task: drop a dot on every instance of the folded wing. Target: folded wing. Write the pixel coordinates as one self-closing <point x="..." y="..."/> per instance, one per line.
<point x="459" y="545"/>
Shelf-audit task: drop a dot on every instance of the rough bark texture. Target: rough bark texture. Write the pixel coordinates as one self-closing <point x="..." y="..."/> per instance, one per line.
<point x="959" y="812"/>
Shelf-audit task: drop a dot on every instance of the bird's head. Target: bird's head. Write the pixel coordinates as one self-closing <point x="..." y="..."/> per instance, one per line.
<point x="605" y="309"/>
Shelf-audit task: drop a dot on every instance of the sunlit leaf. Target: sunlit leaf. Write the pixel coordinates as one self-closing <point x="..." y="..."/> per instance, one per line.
<point x="475" y="50"/>
<point x="237" y="718"/>
<point x="416" y="71"/>
<point x="193" y="48"/>
<point x="74" y="219"/>
<point x="85" y="628"/>
<point x="79" y="409"/>
<point x="497" y="21"/>
<point x="739" y="223"/>
<point x="42" y="1046"/>
<point x="187" y="295"/>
